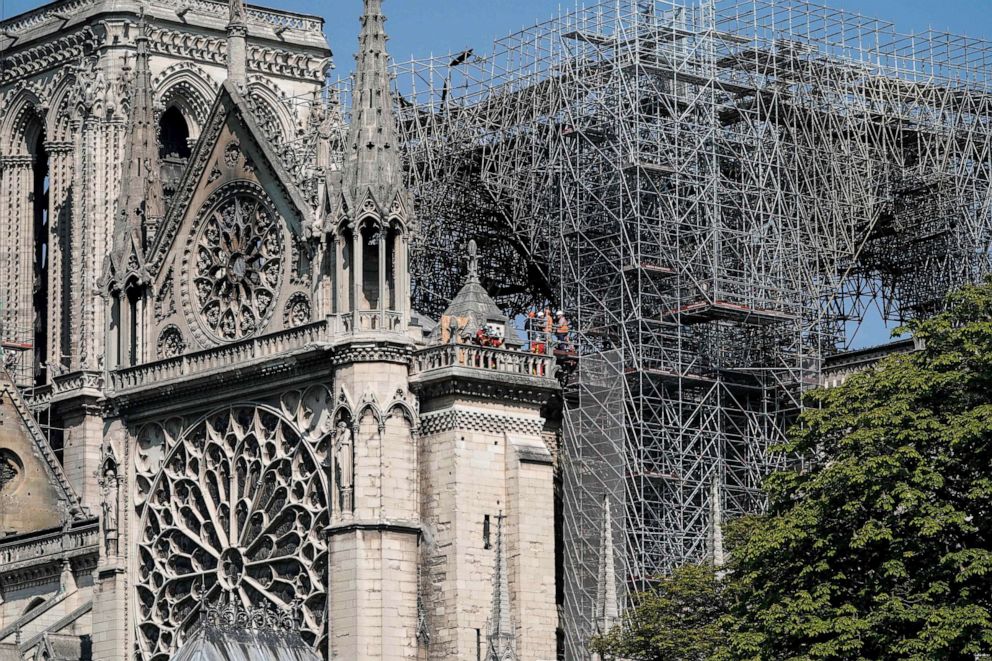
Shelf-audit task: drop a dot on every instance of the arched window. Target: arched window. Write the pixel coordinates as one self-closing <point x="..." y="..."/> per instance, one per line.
<point x="174" y="150"/>
<point x="371" y="245"/>
<point x="42" y="228"/>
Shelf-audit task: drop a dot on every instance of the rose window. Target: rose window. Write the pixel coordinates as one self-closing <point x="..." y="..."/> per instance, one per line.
<point x="236" y="515"/>
<point x="235" y="265"/>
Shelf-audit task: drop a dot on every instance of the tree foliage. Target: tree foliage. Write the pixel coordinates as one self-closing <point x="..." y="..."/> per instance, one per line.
<point x="679" y="620"/>
<point x="877" y="542"/>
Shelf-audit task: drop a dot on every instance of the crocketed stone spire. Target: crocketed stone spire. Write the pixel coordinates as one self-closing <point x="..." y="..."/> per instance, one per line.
<point x="372" y="168"/>
<point x="502" y="638"/>
<point x="141" y="207"/>
<point x="237" y="43"/>
<point x="607" y="603"/>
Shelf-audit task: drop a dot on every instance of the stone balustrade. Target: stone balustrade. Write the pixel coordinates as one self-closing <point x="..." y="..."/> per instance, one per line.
<point x="336" y="328"/>
<point x="257" y="15"/>
<point x="63" y="387"/>
<point x="58" y="544"/>
<point x="483" y="358"/>
<point x="212" y="360"/>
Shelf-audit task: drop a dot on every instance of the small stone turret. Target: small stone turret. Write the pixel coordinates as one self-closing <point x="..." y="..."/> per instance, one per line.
<point x="237" y="44"/>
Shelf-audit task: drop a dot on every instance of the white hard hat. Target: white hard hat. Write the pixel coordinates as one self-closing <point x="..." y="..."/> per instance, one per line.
<point x="560" y="313"/>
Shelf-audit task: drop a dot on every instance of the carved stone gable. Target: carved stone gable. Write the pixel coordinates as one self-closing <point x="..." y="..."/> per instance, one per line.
<point x="230" y="248"/>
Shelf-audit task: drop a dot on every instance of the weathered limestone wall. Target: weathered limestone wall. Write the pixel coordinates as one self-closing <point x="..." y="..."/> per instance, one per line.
<point x="480" y="459"/>
<point x="374" y="549"/>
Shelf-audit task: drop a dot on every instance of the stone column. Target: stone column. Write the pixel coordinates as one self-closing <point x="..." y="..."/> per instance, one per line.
<point x="60" y="167"/>
<point x="18" y="254"/>
<point x="111" y="620"/>
<point x="372" y="605"/>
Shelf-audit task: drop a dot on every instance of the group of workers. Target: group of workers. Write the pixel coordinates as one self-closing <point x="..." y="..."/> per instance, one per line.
<point x="544" y="325"/>
<point x="488" y="336"/>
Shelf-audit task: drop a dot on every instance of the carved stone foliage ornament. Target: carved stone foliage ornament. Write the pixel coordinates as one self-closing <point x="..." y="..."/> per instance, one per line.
<point x="235" y="514"/>
<point x="298" y="312"/>
<point x="171" y="343"/>
<point x="233" y="266"/>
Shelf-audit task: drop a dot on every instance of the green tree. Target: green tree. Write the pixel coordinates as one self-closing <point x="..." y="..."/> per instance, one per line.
<point x="878" y="543"/>
<point x="679" y="620"/>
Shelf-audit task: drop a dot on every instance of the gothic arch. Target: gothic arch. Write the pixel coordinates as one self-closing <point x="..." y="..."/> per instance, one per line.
<point x="24" y="119"/>
<point x="58" y="128"/>
<point x="269" y="100"/>
<point x="188" y="88"/>
<point x="404" y="410"/>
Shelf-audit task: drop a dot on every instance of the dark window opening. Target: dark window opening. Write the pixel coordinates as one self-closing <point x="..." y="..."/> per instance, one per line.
<point x="371" y="238"/>
<point x="485" y="533"/>
<point x="115" y="331"/>
<point x="391" y="253"/>
<point x="174" y="150"/>
<point x="39" y="202"/>
<point x="132" y="335"/>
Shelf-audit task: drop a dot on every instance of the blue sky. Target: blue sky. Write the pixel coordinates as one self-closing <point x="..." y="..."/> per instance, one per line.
<point x="418" y="27"/>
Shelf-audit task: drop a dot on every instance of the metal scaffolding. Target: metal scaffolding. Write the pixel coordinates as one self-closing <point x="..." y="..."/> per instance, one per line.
<point x="713" y="191"/>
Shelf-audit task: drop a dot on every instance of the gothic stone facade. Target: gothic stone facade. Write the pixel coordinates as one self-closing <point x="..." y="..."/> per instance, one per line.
<point x="216" y="392"/>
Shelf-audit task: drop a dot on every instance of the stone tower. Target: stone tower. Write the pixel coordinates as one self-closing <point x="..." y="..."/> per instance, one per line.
<point x="375" y="520"/>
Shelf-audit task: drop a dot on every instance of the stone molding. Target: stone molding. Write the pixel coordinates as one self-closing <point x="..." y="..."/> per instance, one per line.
<point x="378" y="352"/>
<point x="345" y="527"/>
<point x="465" y="419"/>
<point x="48" y="55"/>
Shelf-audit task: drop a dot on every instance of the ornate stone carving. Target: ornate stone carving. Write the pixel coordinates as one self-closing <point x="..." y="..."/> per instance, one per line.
<point x="165" y="300"/>
<point x="236" y="512"/>
<point x="11" y="470"/>
<point x="233" y="265"/>
<point x="298" y="310"/>
<point x="171" y="343"/>
<point x="110" y="484"/>
<point x="31" y="61"/>
<point x="469" y="420"/>
<point x="344" y="467"/>
<point x="232" y="154"/>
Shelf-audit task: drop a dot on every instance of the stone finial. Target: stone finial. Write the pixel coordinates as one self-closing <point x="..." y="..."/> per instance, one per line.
<point x="473" y="261"/>
<point x="372" y="159"/>
<point x="502" y="638"/>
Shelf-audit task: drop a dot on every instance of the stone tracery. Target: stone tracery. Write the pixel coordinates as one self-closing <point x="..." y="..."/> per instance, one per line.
<point x="235" y="264"/>
<point x="236" y="512"/>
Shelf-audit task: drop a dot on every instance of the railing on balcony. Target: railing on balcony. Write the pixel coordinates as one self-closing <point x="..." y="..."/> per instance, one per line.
<point x="484" y="358"/>
<point x="35" y="549"/>
<point x="335" y="328"/>
<point x="202" y="362"/>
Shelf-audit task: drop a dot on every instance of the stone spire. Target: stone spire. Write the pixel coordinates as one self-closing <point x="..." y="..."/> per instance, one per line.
<point x="372" y="160"/>
<point x="237" y="44"/>
<point x="717" y="554"/>
<point x="502" y="639"/>
<point x="607" y="603"/>
<point x="141" y="206"/>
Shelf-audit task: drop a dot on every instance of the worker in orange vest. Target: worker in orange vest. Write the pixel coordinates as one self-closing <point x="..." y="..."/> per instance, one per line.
<point x="561" y="330"/>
